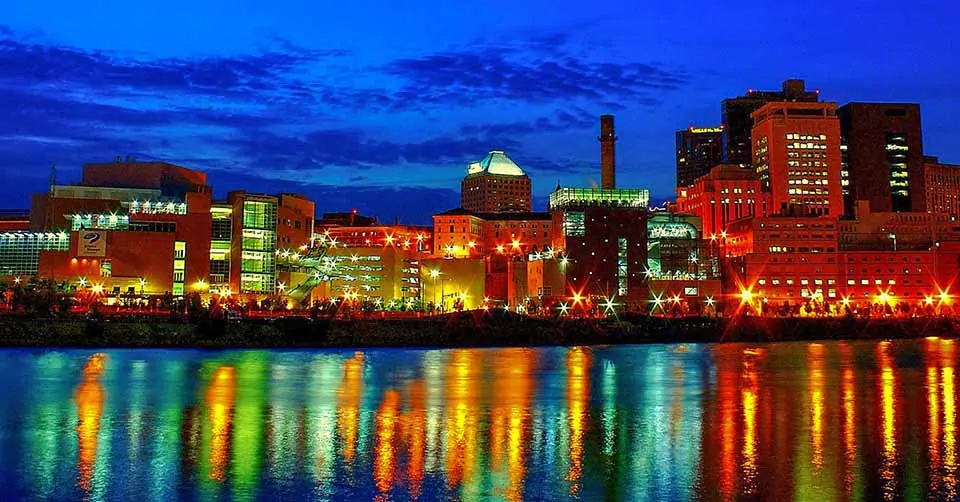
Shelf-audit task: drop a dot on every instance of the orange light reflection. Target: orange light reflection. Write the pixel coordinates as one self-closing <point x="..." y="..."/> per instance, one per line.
<point x="888" y="382"/>
<point x="749" y="452"/>
<point x="219" y="400"/>
<point x="349" y="395"/>
<point x="948" y="380"/>
<point x="384" y="461"/>
<point x="815" y="354"/>
<point x="89" y="399"/>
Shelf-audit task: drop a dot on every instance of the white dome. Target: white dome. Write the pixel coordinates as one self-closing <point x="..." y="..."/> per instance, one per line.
<point x="496" y="162"/>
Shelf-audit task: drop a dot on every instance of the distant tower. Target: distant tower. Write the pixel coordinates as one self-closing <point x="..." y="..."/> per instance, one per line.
<point x="53" y="177"/>
<point x="608" y="178"/>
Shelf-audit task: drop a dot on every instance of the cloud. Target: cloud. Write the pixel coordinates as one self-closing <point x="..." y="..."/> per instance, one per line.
<point x="535" y="71"/>
<point x="62" y="66"/>
<point x="572" y="118"/>
<point x="354" y="148"/>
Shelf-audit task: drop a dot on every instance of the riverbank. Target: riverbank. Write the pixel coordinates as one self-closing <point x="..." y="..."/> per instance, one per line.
<point x="459" y="330"/>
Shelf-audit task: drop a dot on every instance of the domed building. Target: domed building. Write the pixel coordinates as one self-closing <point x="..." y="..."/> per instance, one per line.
<point x="495" y="184"/>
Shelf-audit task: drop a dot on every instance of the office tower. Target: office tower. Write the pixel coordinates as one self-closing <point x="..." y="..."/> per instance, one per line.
<point x="495" y="184"/>
<point x="738" y="124"/>
<point x="796" y="155"/>
<point x="699" y="149"/>
<point x="883" y="156"/>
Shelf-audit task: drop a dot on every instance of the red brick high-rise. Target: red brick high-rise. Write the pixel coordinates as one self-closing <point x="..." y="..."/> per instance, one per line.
<point x="796" y="155"/>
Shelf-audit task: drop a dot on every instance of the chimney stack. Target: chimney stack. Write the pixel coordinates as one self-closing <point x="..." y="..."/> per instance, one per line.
<point x="608" y="178"/>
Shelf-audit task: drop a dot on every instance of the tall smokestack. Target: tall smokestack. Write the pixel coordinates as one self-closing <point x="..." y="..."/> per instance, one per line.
<point x="608" y="174"/>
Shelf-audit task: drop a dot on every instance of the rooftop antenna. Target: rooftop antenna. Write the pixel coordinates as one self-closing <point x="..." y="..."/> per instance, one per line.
<point x="53" y="177"/>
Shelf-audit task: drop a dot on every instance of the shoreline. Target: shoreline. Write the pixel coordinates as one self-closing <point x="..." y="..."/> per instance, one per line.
<point x="464" y="330"/>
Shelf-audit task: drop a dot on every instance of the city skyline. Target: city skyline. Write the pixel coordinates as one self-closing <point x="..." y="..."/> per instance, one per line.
<point x="317" y="110"/>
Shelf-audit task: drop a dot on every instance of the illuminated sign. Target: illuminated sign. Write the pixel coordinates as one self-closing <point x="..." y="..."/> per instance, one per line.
<point x="672" y="230"/>
<point x="704" y="130"/>
<point x="92" y="243"/>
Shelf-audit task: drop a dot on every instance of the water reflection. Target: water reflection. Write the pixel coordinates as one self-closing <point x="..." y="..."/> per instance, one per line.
<point x="794" y="421"/>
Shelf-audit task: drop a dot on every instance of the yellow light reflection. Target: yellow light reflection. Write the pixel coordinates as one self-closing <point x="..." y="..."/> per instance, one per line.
<point x="815" y="354"/>
<point x="220" y="399"/>
<point x="578" y="394"/>
<point x="888" y="472"/>
<point x="514" y="386"/>
<point x="948" y="382"/>
<point x="349" y="395"/>
<point x="749" y="401"/>
<point x="931" y="353"/>
<point x="848" y="388"/>
<point x="385" y="457"/>
<point x="89" y="400"/>
<point x="462" y="420"/>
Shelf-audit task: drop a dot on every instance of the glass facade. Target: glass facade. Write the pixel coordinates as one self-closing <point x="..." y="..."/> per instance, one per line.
<point x="179" y="267"/>
<point x="573" y="224"/>
<point x="221" y="234"/>
<point x="20" y="251"/>
<point x="897" y="150"/>
<point x="609" y="197"/>
<point x="258" y="246"/>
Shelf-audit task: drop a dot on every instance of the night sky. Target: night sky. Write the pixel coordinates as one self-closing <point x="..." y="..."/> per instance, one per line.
<point x="380" y="107"/>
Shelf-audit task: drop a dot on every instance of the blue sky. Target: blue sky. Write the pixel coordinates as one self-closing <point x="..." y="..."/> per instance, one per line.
<point x="379" y="106"/>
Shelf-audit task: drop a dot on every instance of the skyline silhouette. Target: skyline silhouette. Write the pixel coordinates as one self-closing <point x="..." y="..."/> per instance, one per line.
<point x="373" y="108"/>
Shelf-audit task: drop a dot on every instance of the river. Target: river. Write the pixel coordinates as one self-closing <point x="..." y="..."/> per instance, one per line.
<point x="782" y="421"/>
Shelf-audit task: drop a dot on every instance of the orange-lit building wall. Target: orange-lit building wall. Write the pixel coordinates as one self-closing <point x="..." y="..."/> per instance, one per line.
<point x="942" y="185"/>
<point x="796" y="154"/>
<point x="140" y="255"/>
<point x="727" y="193"/>
<point x="416" y="238"/>
<point x="792" y="259"/>
<point x="532" y="231"/>
<point x="295" y="215"/>
<point x="454" y="231"/>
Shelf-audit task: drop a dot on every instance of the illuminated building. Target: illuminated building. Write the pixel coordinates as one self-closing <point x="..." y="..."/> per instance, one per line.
<point x="140" y="247"/>
<point x="294" y="220"/>
<point x="538" y="279"/>
<point x="698" y="150"/>
<point x="942" y="186"/>
<point x="495" y="184"/>
<point x="376" y="273"/>
<point x="364" y="231"/>
<point x="221" y="241"/>
<point x="900" y="257"/>
<point x="796" y="154"/>
<point x="681" y="267"/>
<point x="883" y="156"/>
<point x="447" y="281"/>
<point x="602" y="233"/>
<point x="20" y="251"/>
<point x="253" y="249"/>
<point x="727" y="193"/>
<point x="738" y="124"/>
<point x="454" y="231"/>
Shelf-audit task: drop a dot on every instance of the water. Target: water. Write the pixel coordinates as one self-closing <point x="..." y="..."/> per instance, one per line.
<point x="786" y="421"/>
